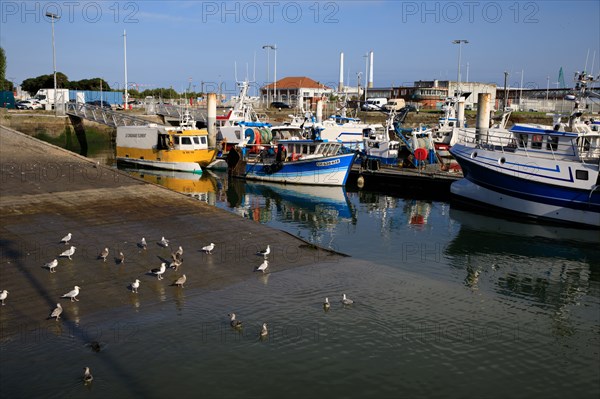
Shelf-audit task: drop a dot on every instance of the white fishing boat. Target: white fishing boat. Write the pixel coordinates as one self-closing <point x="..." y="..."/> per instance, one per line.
<point x="182" y="148"/>
<point x="533" y="171"/>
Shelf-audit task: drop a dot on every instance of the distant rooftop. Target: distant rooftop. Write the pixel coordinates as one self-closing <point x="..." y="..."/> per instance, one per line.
<point x="296" y="82"/>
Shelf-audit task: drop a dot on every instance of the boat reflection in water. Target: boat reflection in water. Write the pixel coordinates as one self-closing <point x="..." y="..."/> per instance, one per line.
<point x="552" y="267"/>
<point x="299" y="209"/>
<point x="202" y="187"/>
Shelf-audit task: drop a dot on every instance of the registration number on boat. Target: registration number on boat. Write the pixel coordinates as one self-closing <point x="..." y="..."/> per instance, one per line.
<point x="328" y="163"/>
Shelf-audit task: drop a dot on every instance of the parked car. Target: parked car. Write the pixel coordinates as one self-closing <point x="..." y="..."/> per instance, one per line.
<point x="280" y="105"/>
<point x="374" y="104"/>
<point x="29" y="104"/>
<point x="99" y="103"/>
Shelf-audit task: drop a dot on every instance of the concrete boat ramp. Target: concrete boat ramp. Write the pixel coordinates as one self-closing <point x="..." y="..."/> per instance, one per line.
<point x="47" y="192"/>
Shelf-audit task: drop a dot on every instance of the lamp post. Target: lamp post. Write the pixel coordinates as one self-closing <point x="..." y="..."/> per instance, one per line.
<point x="125" y="53"/>
<point x="459" y="42"/>
<point x="269" y="47"/>
<point x="53" y="17"/>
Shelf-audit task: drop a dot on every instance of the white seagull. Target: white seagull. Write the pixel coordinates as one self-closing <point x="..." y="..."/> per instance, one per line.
<point x="103" y="254"/>
<point x="208" y="249"/>
<point x="121" y="257"/>
<point x="326" y="304"/>
<point x="3" y="296"/>
<point x="72" y="294"/>
<point x="263" y="266"/>
<point x="66" y="238"/>
<point x="264" y="331"/>
<point x="87" y="375"/>
<point x="180" y="281"/>
<point x="179" y="252"/>
<point x="143" y="243"/>
<point x="56" y="312"/>
<point x="347" y="301"/>
<point x="164" y="242"/>
<point x="159" y="271"/>
<point x="69" y="252"/>
<point x="234" y="323"/>
<point x="265" y="252"/>
<point x="51" y="265"/>
<point x="135" y="285"/>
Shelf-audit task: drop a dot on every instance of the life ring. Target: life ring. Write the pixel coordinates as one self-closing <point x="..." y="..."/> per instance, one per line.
<point x="170" y="143"/>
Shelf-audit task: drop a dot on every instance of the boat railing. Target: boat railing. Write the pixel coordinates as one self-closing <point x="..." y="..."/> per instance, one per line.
<point x="584" y="148"/>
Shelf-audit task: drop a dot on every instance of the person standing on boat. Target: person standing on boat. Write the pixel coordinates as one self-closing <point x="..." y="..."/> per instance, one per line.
<point x="281" y="153"/>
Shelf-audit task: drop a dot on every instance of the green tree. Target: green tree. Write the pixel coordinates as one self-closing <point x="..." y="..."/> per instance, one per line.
<point x="32" y="85"/>
<point x="89" y="84"/>
<point x="4" y="84"/>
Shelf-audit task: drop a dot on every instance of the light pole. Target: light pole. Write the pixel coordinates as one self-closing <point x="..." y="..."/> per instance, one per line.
<point x="53" y="17"/>
<point x="125" y="51"/>
<point x="269" y="47"/>
<point x="459" y="42"/>
<point x="521" y="91"/>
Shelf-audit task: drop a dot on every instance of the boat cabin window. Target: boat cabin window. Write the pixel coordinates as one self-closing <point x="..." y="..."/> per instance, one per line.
<point x="581" y="175"/>
<point x="536" y="141"/>
<point x="203" y="140"/>
<point x="196" y="140"/>
<point x="176" y="140"/>
<point x="523" y="138"/>
<point x="552" y="143"/>
<point x="186" y="140"/>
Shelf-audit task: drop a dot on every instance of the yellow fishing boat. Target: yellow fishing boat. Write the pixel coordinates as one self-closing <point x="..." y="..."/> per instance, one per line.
<point x="183" y="148"/>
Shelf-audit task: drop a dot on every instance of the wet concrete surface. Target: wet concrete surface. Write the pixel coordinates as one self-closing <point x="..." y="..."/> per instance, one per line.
<point x="47" y="192"/>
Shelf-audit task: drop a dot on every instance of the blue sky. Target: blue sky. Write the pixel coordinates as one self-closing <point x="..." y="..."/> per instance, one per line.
<point x="171" y="42"/>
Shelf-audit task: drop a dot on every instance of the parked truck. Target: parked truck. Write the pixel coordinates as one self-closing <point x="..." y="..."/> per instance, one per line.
<point x="48" y="97"/>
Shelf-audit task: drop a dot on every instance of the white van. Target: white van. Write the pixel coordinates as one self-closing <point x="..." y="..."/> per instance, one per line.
<point x="374" y="104"/>
<point x="394" y="104"/>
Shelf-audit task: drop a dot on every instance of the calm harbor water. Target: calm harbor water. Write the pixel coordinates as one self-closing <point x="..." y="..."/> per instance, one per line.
<point x="449" y="303"/>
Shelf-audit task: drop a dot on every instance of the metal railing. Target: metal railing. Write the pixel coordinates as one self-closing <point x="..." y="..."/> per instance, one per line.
<point x="104" y="115"/>
<point x="177" y="111"/>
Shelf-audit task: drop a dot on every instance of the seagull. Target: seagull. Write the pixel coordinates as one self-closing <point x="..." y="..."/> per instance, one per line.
<point x="159" y="271"/>
<point x="103" y="254"/>
<point x="263" y="266"/>
<point x="143" y="243"/>
<point x="69" y="252"/>
<point x="51" y="265"/>
<point x="234" y="323"/>
<point x="175" y="264"/>
<point x="208" y="249"/>
<point x="178" y="253"/>
<point x="56" y="312"/>
<point x="121" y="257"/>
<point x="264" y="331"/>
<point x="72" y="294"/>
<point x="135" y="285"/>
<point x="87" y="376"/>
<point x="180" y="281"/>
<point x="326" y="304"/>
<point x="347" y="301"/>
<point x="66" y="238"/>
<point x="3" y="296"/>
<point x="164" y="242"/>
<point x="265" y="252"/>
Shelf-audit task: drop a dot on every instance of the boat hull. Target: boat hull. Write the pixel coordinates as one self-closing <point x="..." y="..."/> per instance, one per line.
<point x="192" y="167"/>
<point x="542" y="190"/>
<point x="326" y="171"/>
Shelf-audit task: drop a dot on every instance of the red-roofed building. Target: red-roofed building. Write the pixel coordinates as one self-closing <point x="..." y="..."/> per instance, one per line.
<point x="295" y="88"/>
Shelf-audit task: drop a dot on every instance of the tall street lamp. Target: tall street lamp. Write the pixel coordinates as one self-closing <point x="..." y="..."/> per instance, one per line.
<point x="269" y="47"/>
<point x="459" y="42"/>
<point x="53" y="17"/>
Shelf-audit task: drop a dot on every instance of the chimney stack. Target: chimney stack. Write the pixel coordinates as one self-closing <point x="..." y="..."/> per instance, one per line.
<point x="371" y="70"/>
<point x="341" y="84"/>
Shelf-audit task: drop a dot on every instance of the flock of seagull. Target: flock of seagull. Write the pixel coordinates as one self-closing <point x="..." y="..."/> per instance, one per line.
<point x="177" y="260"/>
